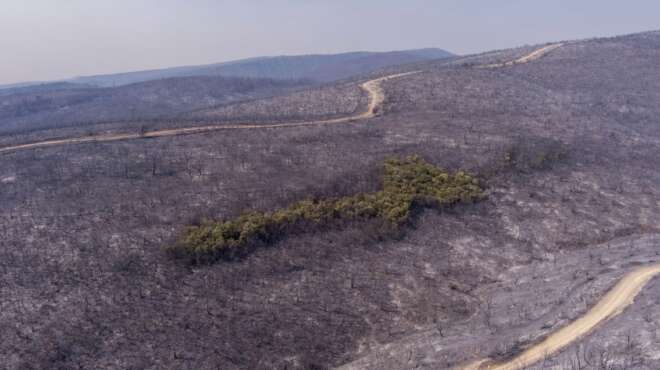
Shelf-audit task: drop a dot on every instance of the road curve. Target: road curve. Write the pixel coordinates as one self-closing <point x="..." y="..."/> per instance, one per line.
<point x="372" y="87"/>
<point x="612" y="304"/>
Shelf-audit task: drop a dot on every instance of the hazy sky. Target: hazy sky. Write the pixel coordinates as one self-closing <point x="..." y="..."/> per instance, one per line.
<point x="51" y="39"/>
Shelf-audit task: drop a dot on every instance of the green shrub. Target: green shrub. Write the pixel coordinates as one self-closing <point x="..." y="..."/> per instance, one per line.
<point x="406" y="182"/>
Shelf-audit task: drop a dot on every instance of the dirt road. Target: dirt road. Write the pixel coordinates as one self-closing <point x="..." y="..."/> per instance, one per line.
<point x="372" y="87"/>
<point x="612" y="304"/>
<point x="535" y="55"/>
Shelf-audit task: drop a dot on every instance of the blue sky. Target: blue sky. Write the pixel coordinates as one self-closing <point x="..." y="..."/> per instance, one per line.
<point x="51" y="39"/>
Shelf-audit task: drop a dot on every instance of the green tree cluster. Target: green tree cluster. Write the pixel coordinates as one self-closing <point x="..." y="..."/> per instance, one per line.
<point x="406" y="182"/>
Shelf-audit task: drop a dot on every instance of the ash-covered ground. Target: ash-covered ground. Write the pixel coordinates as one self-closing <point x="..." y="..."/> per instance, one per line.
<point x="567" y="147"/>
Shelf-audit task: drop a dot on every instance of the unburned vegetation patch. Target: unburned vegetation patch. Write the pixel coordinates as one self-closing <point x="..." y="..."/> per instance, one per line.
<point x="407" y="183"/>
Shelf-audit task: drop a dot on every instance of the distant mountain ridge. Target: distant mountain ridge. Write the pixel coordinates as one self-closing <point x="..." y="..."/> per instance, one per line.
<point x="61" y="104"/>
<point x="319" y="67"/>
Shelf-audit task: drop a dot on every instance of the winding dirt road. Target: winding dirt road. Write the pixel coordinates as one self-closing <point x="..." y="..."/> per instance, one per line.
<point x="372" y="87"/>
<point x="612" y="304"/>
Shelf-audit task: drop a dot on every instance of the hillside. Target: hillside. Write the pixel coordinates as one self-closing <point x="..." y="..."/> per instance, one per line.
<point x="565" y="145"/>
<point x="167" y="93"/>
<point x="71" y="106"/>
<point x="46" y="87"/>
